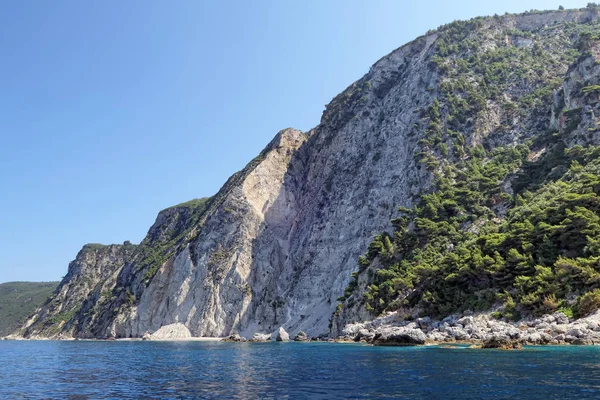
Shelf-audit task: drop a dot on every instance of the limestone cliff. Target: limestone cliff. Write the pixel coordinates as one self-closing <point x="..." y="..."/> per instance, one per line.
<point x="277" y="244"/>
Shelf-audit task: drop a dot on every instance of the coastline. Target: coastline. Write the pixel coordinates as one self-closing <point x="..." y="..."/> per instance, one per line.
<point x="477" y="330"/>
<point x="72" y="339"/>
<point x="472" y="330"/>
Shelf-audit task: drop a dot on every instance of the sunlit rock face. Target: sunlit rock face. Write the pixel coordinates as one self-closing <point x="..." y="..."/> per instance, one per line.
<point x="275" y="247"/>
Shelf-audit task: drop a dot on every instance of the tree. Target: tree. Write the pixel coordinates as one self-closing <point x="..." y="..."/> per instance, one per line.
<point x="561" y="8"/>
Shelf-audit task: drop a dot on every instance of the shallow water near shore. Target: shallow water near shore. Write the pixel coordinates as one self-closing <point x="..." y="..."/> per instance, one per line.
<point x="136" y="369"/>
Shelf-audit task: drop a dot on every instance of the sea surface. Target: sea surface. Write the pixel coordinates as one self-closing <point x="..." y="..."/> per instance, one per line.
<point x="126" y="369"/>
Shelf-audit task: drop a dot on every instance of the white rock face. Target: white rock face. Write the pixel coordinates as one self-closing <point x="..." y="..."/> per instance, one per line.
<point x="282" y="335"/>
<point x="280" y="248"/>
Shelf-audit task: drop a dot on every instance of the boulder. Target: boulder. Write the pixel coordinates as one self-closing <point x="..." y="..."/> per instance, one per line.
<point x="559" y="329"/>
<point x="260" y="337"/>
<point x="450" y="320"/>
<point x="410" y="325"/>
<point x="457" y="333"/>
<point x="542" y="326"/>
<point x="424" y="322"/>
<point x="569" y="338"/>
<point x="592" y="325"/>
<point x="234" y="338"/>
<point x="364" y="335"/>
<point x="301" y="337"/>
<point x="545" y="338"/>
<point x="575" y="333"/>
<point x="436" y="336"/>
<point x="282" y="335"/>
<point x="533" y="338"/>
<point x="560" y="318"/>
<point x="400" y="337"/>
<point x="476" y="334"/>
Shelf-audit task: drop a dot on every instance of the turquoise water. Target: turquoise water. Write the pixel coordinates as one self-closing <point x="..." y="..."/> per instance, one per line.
<point x="80" y="370"/>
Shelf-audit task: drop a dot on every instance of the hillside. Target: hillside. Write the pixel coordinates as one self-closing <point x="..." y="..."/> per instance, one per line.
<point x="18" y="300"/>
<point x="512" y="222"/>
<point x="468" y="154"/>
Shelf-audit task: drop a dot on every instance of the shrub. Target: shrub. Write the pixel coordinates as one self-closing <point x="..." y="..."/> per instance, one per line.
<point x="589" y="302"/>
<point x="550" y="303"/>
<point x="568" y="311"/>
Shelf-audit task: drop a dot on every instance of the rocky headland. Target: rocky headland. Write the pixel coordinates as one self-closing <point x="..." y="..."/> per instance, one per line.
<point x="463" y="167"/>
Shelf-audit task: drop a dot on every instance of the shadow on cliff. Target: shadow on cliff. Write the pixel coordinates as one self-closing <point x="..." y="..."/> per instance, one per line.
<point x="274" y="280"/>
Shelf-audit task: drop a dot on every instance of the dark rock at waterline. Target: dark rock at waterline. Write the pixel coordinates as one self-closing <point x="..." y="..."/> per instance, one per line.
<point x="234" y="338"/>
<point x="301" y="337"/>
<point x="582" y="342"/>
<point x="500" y="342"/>
<point x="402" y="337"/>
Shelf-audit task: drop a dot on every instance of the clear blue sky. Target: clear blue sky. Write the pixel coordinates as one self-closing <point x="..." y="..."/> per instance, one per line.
<point x="113" y="110"/>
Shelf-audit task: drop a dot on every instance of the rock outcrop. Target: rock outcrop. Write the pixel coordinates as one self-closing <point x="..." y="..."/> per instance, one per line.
<point x="282" y="335"/>
<point x="234" y="338"/>
<point x="88" y="285"/>
<point x="301" y="337"/>
<point x="399" y="336"/>
<point x="260" y="337"/>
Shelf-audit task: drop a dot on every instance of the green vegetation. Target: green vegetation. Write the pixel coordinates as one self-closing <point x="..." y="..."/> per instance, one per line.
<point x="460" y="256"/>
<point x="497" y="229"/>
<point x="589" y="302"/>
<point x="18" y="300"/>
<point x="194" y="203"/>
<point x="64" y="316"/>
<point x="153" y="253"/>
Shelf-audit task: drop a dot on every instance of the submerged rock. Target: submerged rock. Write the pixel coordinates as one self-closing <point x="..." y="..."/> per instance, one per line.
<point x="501" y="342"/>
<point x="582" y="342"/>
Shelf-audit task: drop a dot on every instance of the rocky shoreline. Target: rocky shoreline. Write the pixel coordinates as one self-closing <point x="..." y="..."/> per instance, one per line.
<point x="477" y="330"/>
<point x="481" y="329"/>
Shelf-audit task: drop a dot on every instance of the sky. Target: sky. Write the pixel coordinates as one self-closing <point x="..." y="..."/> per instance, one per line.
<point x="111" y="111"/>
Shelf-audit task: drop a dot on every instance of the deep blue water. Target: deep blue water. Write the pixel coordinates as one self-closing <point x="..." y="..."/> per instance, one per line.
<point x="80" y="370"/>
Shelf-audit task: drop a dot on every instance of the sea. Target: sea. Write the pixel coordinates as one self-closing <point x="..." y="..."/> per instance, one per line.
<point x="315" y="370"/>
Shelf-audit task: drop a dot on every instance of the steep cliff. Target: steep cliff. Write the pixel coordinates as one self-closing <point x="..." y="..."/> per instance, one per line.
<point x="277" y="244"/>
<point x="511" y="223"/>
<point x="87" y="285"/>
